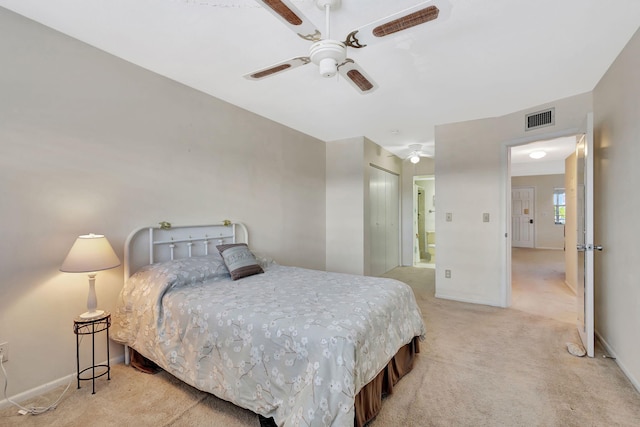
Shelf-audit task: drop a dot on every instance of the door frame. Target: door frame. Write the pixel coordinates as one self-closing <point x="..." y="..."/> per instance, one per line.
<point x="505" y="248"/>
<point x="414" y="212"/>
<point x="586" y="303"/>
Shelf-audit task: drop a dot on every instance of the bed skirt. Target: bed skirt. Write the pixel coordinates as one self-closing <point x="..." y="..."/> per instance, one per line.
<point x="368" y="401"/>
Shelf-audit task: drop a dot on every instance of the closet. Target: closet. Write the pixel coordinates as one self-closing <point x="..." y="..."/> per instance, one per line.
<point x="384" y="212"/>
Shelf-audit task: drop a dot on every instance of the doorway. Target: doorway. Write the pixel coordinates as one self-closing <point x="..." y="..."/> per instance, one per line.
<point x="540" y="267"/>
<point x="424" y="221"/>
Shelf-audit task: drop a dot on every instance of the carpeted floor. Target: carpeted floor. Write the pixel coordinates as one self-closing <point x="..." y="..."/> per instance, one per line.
<point x="479" y="366"/>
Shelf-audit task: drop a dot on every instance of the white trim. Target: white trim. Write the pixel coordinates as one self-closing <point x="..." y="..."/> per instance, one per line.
<point x="414" y="214"/>
<point x="505" y="247"/>
<point x="44" y="388"/>
<point x="609" y="350"/>
<point x="573" y="291"/>
<point x="467" y="300"/>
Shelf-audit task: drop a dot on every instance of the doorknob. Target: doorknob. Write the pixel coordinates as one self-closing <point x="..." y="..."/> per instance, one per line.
<point x="530" y="221"/>
<point x="582" y="248"/>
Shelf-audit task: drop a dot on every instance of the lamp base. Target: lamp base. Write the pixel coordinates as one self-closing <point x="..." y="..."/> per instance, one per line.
<point x="88" y="315"/>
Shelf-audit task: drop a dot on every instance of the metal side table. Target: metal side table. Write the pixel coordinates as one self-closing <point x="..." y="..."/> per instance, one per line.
<point x="92" y="327"/>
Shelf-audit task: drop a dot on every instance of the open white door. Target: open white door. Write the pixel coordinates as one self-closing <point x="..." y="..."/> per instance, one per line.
<point x="585" y="246"/>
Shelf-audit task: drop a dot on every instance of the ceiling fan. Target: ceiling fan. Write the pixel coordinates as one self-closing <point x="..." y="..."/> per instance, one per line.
<point x="330" y="55"/>
<point x="416" y="153"/>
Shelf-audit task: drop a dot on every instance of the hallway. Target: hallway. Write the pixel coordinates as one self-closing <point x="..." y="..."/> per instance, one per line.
<point x="538" y="284"/>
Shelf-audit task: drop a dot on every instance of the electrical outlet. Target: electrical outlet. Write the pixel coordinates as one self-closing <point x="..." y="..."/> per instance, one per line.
<point x="4" y="351"/>
<point x="447" y="274"/>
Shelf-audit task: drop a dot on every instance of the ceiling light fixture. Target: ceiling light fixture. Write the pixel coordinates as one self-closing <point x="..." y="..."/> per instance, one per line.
<point x="414" y="158"/>
<point x="537" y="154"/>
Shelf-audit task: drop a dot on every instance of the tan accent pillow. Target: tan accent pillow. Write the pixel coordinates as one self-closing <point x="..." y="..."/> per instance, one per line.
<point x="239" y="260"/>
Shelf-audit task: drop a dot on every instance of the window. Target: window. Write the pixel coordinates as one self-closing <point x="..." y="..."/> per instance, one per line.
<point x="559" y="205"/>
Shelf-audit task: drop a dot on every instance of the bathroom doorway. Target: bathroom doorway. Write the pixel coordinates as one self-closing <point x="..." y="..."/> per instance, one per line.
<point x="424" y="221"/>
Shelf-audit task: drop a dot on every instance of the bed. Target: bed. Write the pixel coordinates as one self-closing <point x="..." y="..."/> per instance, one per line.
<point x="300" y="346"/>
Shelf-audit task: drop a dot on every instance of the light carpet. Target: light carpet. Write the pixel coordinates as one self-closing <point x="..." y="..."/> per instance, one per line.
<point x="479" y="366"/>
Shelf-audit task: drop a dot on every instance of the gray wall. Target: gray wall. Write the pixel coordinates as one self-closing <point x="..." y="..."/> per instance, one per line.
<point x="617" y="203"/>
<point x="91" y="143"/>
<point x="548" y="235"/>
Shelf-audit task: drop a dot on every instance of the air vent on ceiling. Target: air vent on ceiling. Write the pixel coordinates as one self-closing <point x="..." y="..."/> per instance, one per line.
<point x="540" y="119"/>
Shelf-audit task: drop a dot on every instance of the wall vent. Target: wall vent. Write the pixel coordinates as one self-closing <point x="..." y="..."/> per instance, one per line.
<point x="540" y="119"/>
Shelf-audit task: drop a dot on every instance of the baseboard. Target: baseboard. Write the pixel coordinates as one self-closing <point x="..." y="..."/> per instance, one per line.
<point x="549" y="248"/>
<point x="44" y="388"/>
<point x="611" y="352"/>
<point x="467" y="300"/>
<point x="573" y="291"/>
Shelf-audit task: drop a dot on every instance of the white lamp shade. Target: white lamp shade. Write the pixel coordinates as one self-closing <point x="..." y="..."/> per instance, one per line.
<point x="91" y="252"/>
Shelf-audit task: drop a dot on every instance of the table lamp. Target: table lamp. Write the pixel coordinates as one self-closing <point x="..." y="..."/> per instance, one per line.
<point x="89" y="254"/>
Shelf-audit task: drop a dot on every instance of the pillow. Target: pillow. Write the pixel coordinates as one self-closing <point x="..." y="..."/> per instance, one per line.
<point x="184" y="271"/>
<point x="239" y="260"/>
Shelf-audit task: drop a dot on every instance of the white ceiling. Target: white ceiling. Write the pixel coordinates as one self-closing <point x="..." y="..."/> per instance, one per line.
<point x="487" y="58"/>
<point x="557" y="150"/>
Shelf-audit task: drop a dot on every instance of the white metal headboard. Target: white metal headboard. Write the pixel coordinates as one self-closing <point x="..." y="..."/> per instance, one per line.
<point x="167" y="242"/>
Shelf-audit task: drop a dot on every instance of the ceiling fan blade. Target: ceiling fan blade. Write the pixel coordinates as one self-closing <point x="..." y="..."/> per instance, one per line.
<point x="355" y="75"/>
<point x="278" y="68"/>
<point x="422" y="13"/>
<point x="286" y="12"/>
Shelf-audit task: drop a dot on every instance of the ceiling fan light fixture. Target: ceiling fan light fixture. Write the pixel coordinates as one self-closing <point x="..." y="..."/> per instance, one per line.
<point x="327" y="54"/>
<point x="328" y="67"/>
<point x="414" y="158"/>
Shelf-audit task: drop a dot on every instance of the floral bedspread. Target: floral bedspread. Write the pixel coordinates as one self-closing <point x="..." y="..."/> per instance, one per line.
<point x="293" y="344"/>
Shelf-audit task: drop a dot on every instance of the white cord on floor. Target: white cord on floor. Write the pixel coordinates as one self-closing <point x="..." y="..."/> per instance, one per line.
<point x="33" y="410"/>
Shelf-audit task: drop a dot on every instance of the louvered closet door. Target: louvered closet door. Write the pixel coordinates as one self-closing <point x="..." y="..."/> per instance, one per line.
<point x="377" y="236"/>
<point x="392" y="210"/>
<point x="384" y="213"/>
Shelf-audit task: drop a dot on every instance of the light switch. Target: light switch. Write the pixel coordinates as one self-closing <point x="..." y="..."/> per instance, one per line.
<point x="485" y="217"/>
<point x="449" y="216"/>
